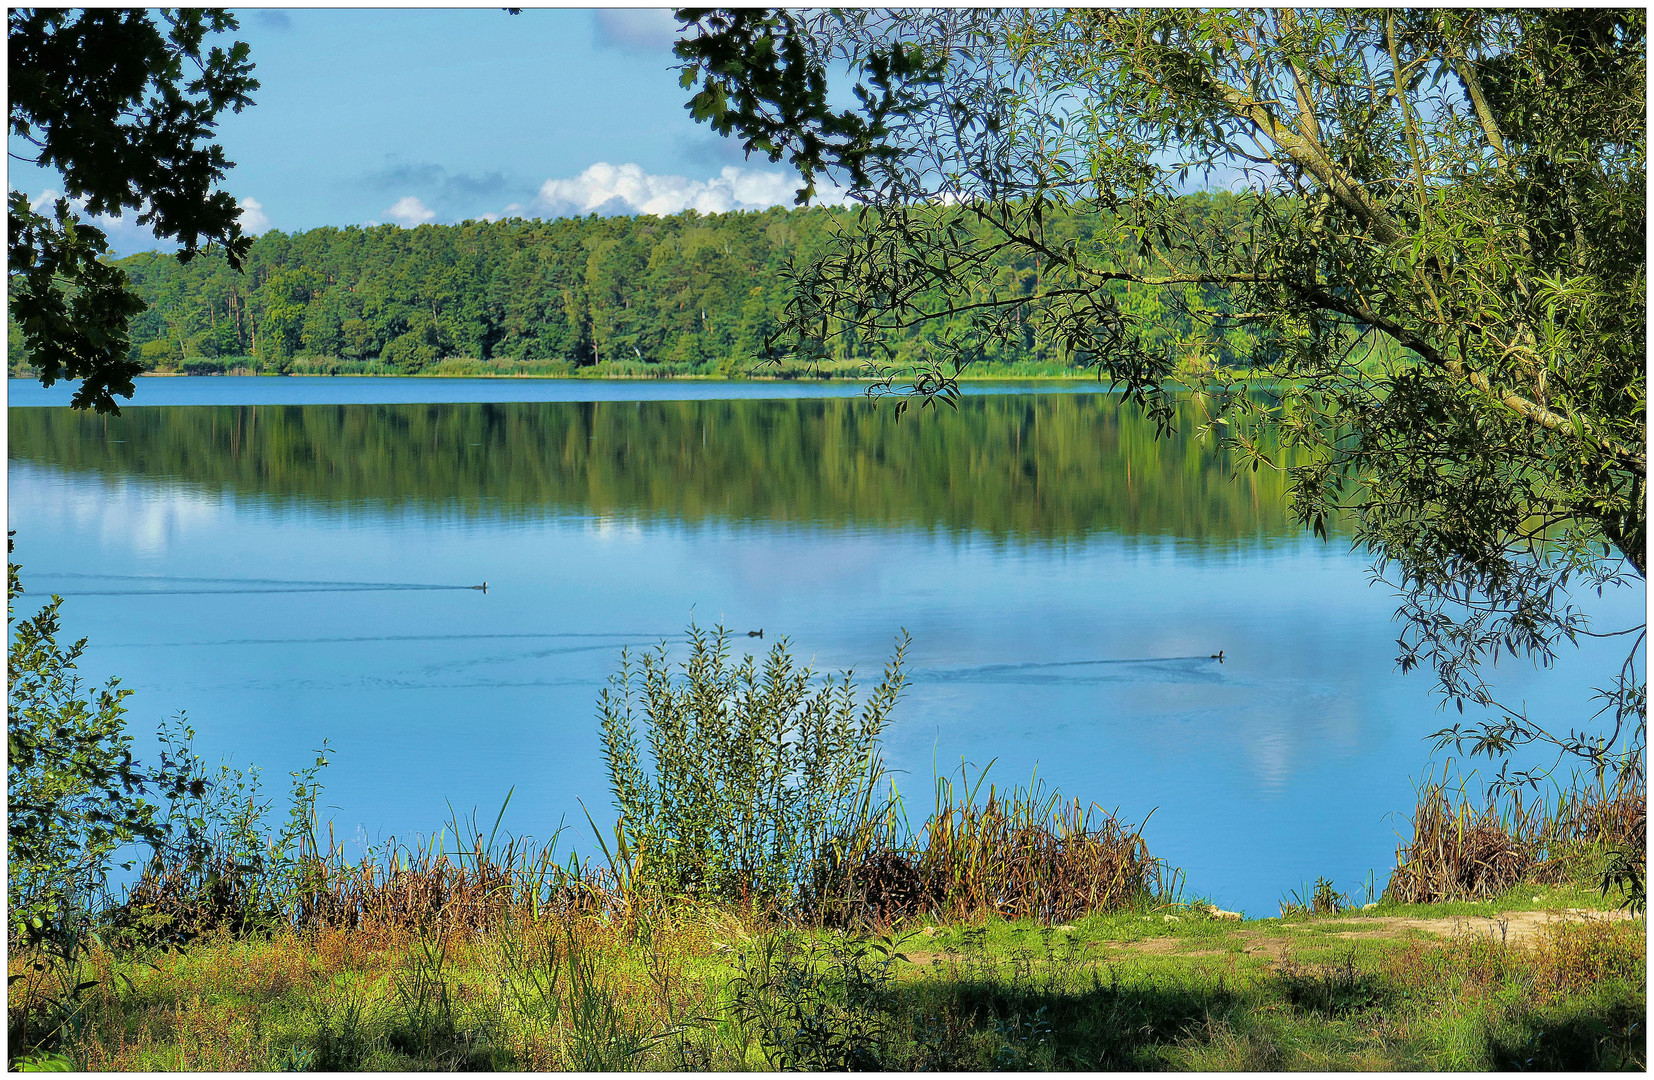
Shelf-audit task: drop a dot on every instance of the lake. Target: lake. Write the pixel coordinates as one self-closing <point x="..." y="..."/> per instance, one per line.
<point x="288" y="560"/>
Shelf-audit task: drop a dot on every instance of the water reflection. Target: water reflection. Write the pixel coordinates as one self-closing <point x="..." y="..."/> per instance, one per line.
<point x="1048" y="467"/>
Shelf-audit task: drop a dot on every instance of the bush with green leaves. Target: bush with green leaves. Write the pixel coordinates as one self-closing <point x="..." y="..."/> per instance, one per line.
<point x="73" y="799"/>
<point x="750" y="769"/>
<point x="220" y="862"/>
<point x="73" y="791"/>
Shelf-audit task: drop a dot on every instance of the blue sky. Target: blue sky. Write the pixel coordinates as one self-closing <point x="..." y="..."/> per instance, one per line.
<point x="408" y="116"/>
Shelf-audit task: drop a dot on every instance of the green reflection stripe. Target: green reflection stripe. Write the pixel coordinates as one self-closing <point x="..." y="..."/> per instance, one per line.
<point x="1032" y="466"/>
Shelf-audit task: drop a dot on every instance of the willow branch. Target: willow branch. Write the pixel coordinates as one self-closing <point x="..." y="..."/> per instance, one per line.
<point x="1515" y="402"/>
<point x="1490" y="126"/>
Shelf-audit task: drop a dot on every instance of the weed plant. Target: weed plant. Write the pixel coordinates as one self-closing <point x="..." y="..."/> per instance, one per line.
<point x="746" y="772"/>
<point x="1318" y="899"/>
<point x="217" y="864"/>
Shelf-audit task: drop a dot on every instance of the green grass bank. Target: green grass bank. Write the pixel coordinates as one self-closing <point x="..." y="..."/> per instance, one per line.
<point x="1515" y="982"/>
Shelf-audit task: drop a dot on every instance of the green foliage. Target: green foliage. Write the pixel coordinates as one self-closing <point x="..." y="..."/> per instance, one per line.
<point x="1318" y="899"/>
<point x="105" y="96"/>
<point x="44" y="1061"/>
<point x="73" y="790"/>
<point x="813" y="1006"/>
<point x="1436" y="248"/>
<point x="747" y="771"/>
<point x="73" y="799"/>
<point x="80" y="334"/>
<point x="690" y="293"/>
<point x="75" y="803"/>
<point x="219" y="863"/>
<point x="756" y="74"/>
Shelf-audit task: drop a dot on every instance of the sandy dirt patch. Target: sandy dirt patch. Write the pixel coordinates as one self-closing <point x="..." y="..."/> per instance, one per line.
<point x="1511" y="927"/>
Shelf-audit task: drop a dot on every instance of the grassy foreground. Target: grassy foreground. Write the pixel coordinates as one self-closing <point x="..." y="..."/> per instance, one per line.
<point x="1515" y="982"/>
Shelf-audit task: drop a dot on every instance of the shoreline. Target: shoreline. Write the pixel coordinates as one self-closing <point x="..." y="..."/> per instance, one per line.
<point x="596" y="377"/>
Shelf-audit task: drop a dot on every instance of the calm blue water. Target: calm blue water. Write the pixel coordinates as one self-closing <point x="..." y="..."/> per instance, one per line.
<point x="276" y="622"/>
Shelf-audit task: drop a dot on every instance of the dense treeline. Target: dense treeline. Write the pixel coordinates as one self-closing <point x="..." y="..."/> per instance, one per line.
<point x="690" y="292"/>
<point x="1047" y="466"/>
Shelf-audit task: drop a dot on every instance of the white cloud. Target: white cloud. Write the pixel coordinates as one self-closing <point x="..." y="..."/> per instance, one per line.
<point x="627" y="189"/>
<point x="253" y="218"/>
<point x="40" y="203"/>
<point x="409" y="211"/>
<point x="123" y="232"/>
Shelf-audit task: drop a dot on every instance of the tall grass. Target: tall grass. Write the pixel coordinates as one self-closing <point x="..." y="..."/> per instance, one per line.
<point x="1023" y="853"/>
<point x="1465" y="849"/>
<point x="429" y="887"/>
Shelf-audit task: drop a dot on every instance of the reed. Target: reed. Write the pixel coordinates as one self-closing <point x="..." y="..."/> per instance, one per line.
<point x="462" y="879"/>
<point x="1020" y="853"/>
<point x="1462" y="851"/>
<point x="1031" y="854"/>
<point x="1024" y="853"/>
<point x="431" y="889"/>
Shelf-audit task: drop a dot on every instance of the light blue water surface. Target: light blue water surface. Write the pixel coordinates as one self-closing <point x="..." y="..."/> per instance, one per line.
<point x="276" y="622"/>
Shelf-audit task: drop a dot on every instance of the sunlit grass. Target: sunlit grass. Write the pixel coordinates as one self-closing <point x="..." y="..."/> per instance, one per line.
<point x="1108" y="991"/>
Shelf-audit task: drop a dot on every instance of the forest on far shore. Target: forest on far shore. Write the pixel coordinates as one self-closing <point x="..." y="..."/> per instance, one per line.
<point x="691" y="293"/>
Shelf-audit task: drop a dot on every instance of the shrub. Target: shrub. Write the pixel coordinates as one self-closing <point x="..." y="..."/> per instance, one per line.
<point x="816" y="1006"/>
<point x="219" y="865"/>
<point x="750" y="770"/>
<point x="1570" y="958"/>
<point x="73" y="790"/>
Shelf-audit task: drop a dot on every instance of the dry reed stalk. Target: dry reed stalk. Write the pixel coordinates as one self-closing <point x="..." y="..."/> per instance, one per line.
<point x="419" y="888"/>
<point x="428" y="889"/>
<point x="1021" y="854"/>
<point x="1459" y="853"/>
<point x="1025" y="857"/>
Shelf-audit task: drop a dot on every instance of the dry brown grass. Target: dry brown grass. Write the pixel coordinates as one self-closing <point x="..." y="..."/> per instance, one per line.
<point x="1461" y="852"/>
<point x="1468" y="965"/>
<point x="1457" y="852"/>
<point x="1571" y="957"/>
<point x="432" y="889"/>
<point x="1020" y="859"/>
<point x="1564" y="958"/>
<point x="1018" y="854"/>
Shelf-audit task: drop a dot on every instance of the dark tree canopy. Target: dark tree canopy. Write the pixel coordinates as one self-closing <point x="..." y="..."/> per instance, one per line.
<point x="123" y="104"/>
